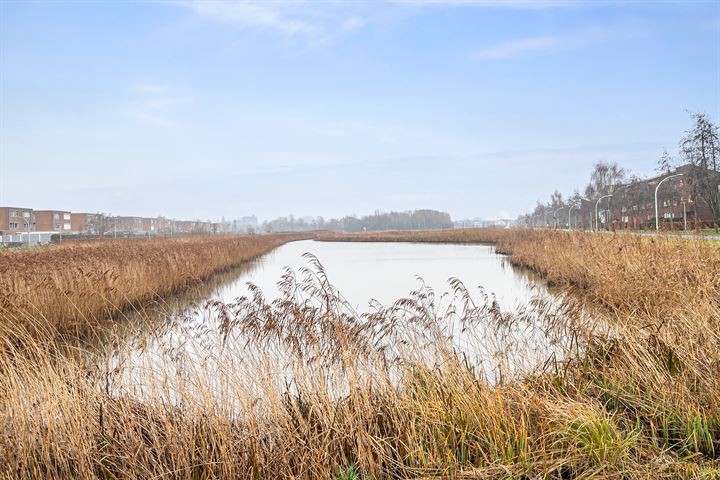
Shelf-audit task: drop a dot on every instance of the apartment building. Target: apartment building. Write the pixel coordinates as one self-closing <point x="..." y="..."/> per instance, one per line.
<point x="53" y="221"/>
<point x="632" y="206"/>
<point x="83" y="222"/>
<point x="16" y="220"/>
<point x="677" y="203"/>
<point x="127" y="224"/>
<point x="150" y="225"/>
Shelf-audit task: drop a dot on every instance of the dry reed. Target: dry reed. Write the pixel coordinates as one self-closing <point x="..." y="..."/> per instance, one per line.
<point x="305" y="387"/>
<point x="74" y="284"/>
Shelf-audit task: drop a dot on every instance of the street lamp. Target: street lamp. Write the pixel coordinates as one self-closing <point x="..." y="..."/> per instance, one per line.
<point x="546" y="221"/>
<point x="597" y="216"/>
<point x="555" y="216"/>
<point x="569" y="213"/>
<point x="579" y="205"/>
<point x="657" y="214"/>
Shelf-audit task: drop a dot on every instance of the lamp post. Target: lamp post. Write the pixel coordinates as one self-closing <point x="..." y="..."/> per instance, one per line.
<point x="579" y="205"/>
<point x="597" y="216"/>
<point x="569" y="217"/>
<point x="684" y="215"/>
<point x="657" y="214"/>
<point x="555" y="216"/>
<point x="546" y="220"/>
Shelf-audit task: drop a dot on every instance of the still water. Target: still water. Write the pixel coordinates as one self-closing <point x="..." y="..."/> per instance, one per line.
<point x="189" y="346"/>
<point x="387" y="271"/>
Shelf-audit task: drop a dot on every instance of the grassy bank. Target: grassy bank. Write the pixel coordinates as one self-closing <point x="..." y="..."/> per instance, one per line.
<point x="76" y="284"/>
<point x="308" y="388"/>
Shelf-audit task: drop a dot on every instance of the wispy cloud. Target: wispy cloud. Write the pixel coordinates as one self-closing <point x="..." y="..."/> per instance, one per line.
<point x="353" y="23"/>
<point x="532" y="4"/>
<point x="155" y="104"/>
<point x="517" y="47"/>
<point x="542" y="43"/>
<point x="284" y="17"/>
<point x="260" y="15"/>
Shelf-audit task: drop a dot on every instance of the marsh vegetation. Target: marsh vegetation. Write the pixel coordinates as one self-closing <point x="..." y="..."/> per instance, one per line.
<point x="305" y="386"/>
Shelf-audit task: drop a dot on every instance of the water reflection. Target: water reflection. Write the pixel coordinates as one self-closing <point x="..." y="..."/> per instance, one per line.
<point x="387" y="271"/>
<point x="493" y="320"/>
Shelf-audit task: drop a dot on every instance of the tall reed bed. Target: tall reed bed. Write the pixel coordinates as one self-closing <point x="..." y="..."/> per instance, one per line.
<point x="75" y="284"/>
<point x="306" y="387"/>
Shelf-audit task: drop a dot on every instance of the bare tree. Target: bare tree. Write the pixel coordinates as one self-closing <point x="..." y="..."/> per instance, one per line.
<point x="604" y="178"/>
<point x="700" y="147"/>
<point x="100" y="224"/>
<point x="665" y="163"/>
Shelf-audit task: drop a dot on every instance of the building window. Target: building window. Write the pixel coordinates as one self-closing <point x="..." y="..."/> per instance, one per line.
<point x="66" y="216"/>
<point x="26" y="214"/>
<point x="13" y="213"/>
<point x="56" y="216"/>
<point x="66" y="226"/>
<point x="13" y="225"/>
<point x="56" y="226"/>
<point x="25" y="225"/>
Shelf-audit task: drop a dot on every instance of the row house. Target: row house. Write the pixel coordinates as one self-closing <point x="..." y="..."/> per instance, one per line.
<point x="127" y="224"/>
<point x="53" y="221"/>
<point x="183" y="226"/>
<point x="16" y="220"/>
<point x="150" y="225"/>
<point x="83" y="222"/>
<point x="677" y="203"/>
<point x="632" y="206"/>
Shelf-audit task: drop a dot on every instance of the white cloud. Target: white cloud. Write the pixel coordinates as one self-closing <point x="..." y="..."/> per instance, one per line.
<point x="155" y="104"/>
<point x="517" y="47"/>
<point x="533" y="4"/>
<point x="319" y="23"/>
<point x="353" y="23"/>
<point x="260" y="15"/>
<point x="543" y="43"/>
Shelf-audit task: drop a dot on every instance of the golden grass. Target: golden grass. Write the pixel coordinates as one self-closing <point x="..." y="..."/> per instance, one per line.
<point x="78" y="283"/>
<point x="306" y="387"/>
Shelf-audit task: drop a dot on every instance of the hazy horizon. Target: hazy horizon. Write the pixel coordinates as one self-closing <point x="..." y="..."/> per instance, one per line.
<point x="212" y="109"/>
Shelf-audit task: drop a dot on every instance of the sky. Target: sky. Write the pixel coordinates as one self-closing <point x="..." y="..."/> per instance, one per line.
<point x="208" y="109"/>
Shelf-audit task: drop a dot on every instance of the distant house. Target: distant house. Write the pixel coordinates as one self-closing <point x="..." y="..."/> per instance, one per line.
<point x="53" y="221"/>
<point x="127" y="224"/>
<point x="150" y="225"/>
<point x="633" y="205"/>
<point x="16" y="220"/>
<point x="83" y="222"/>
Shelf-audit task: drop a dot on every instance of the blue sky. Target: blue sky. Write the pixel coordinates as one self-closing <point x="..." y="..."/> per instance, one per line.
<point x="210" y="109"/>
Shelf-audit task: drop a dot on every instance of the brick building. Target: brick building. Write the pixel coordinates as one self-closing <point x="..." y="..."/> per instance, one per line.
<point x="127" y="224"/>
<point x="15" y="220"/>
<point x="53" y="221"/>
<point x="150" y="225"/>
<point x="83" y="222"/>
<point x="632" y="206"/>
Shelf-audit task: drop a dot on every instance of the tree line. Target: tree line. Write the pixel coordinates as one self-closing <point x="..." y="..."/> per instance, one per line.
<point x="698" y="154"/>
<point x="409" y="220"/>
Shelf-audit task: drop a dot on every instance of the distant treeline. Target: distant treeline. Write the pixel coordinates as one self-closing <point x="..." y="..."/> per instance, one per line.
<point x="411" y="220"/>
